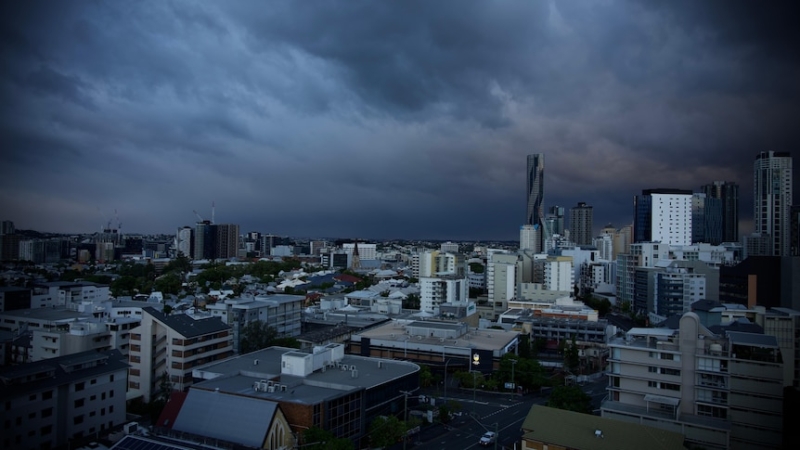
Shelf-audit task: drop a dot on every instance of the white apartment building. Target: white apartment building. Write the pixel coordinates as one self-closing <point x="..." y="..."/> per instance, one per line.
<point x="280" y="311"/>
<point x="529" y="236"/>
<point x="501" y="279"/>
<point x="434" y="291"/>
<point x="713" y="254"/>
<point x="49" y="402"/>
<point x="663" y="215"/>
<point x="183" y="241"/>
<point x="173" y="345"/>
<point x="605" y="247"/>
<point x="720" y="391"/>
<point x="559" y="274"/>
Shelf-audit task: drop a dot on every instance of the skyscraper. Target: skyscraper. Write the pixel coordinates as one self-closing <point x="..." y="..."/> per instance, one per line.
<point x="581" y="219"/>
<point x="728" y="194"/>
<point x="535" y="190"/>
<point x="535" y="193"/>
<point x="554" y="221"/>
<point x="663" y="215"/>
<point x="772" y="199"/>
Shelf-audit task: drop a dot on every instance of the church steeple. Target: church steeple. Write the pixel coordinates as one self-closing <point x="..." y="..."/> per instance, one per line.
<point x="356" y="261"/>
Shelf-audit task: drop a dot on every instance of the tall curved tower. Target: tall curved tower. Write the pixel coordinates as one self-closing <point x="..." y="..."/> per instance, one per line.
<point x="535" y="190"/>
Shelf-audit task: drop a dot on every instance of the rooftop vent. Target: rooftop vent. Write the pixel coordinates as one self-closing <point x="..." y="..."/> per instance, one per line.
<point x="598" y="434"/>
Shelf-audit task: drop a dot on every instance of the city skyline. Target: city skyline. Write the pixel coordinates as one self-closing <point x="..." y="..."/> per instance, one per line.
<point x="382" y="120"/>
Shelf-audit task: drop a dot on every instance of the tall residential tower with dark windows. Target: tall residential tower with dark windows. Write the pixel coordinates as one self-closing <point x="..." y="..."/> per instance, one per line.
<point x="728" y="194"/>
<point x="581" y="221"/>
<point x="772" y="199"/>
<point x="535" y="195"/>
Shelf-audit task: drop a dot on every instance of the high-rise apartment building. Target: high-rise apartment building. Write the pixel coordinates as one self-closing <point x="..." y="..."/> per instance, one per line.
<point x="227" y="241"/>
<point x="581" y="220"/>
<point x="663" y="215"/>
<point x="184" y="243"/>
<point x="772" y="199"/>
<point x="535" y="194"/>
<point x="728" y="194"/>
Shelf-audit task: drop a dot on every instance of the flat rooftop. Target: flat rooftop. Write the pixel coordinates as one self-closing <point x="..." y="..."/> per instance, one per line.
<point x="237" y="375"/>
<point x="478" y="339"/>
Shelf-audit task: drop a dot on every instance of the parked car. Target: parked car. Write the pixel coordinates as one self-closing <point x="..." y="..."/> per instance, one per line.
<point x="488" y="438"/>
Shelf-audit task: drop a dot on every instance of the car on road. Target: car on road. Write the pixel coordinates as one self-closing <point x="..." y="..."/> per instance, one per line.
<point x="488" y="438"/>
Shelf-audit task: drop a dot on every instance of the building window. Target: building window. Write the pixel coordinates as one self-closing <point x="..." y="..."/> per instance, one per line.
<point x="79" y="403"/>
<point x="45" y="430"/>
<point x="111" y="409"/>
<point x="111" y="378"/>
<point x="47" y="412"/>
<point x="47" y="395"/>
<point x="80" y="386"/>
<point x="32" y="397"/>
<point x="94" y="381"/>
<point x="78" y="419"/>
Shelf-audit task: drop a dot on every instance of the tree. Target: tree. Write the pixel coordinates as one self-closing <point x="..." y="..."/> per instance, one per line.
<point x="316" y="438"/>
<point x="426" y="377"/>
<point x="476" y="267"/>
<point x="386" y="430"/>
<point x="571" y="356"/>
<point x="255" y="336"/>
<point x="411" y="302"/>
<point x="571" y="398"/>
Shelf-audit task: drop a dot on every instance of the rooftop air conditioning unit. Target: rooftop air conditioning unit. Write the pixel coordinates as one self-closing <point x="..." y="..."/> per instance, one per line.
<point x="270" y="388"/>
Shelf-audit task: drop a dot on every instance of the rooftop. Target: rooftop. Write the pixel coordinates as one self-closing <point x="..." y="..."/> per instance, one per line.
<point x="186" y="326"/>
<point x="238" y="375"/>
<point x="585" y="431"/>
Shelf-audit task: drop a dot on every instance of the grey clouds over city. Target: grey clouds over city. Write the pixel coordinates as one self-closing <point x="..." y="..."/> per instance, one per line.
<point x="382" y="119"/>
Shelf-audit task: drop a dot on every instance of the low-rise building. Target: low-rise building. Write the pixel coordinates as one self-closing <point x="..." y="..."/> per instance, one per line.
<point x="323" y="387"/>
<point x="434" y="342"/>
<point x="550" y="428"/>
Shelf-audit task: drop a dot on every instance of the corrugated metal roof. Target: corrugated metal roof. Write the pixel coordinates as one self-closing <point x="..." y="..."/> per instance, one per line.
<point x="233" y="418"/>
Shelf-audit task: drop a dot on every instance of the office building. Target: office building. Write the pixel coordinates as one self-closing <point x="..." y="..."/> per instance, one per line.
<point x="50" y="402"/>
<point x="535" y="193"/>
<point x="706" y="219"/>
<point x="282" y="312"/>
<point x="555" y="220"/>
<point x="772" y="183"/>
<point x="322" y="388"/>
<point x="204" y="240"/>
<point x="720" y="391"/>
<point x="728" y="194"/>
<point x="581" y="221"/>
<point x="794" y="227"/>
<point x="663" y="215"/>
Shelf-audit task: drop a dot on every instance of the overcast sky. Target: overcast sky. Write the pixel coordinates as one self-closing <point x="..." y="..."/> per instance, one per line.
<point x="378" y="119"/>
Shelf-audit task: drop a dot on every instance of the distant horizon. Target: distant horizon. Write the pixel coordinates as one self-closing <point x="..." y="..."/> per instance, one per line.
<point x="383" y="118"/>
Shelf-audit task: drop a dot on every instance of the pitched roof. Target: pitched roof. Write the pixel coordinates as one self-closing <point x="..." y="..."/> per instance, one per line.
<point x="171" y="409"/>
<point x="186" y="326"/>
<point x="232" y="418"/>
<point x="578" y="431"/>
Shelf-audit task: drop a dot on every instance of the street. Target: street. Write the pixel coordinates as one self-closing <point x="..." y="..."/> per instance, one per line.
<point x="490" y="410"/>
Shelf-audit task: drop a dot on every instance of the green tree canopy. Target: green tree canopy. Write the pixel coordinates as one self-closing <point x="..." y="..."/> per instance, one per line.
<point x="385" y="431"/>
<point x="571" y="398"/>
<point x="316" y="438"/>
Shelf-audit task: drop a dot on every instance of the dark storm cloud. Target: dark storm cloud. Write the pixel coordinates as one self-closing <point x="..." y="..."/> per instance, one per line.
<point x="382" y="119"/>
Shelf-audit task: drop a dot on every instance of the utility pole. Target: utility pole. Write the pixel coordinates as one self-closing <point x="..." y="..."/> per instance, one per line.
<point x="513" y="386"/>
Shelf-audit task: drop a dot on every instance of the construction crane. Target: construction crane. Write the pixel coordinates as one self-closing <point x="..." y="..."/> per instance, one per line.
<point x="200" y="219"/>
